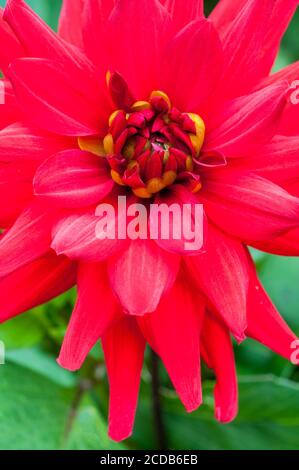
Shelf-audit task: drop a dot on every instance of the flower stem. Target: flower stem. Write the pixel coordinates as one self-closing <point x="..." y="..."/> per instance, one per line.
<point x="156" y="400"/>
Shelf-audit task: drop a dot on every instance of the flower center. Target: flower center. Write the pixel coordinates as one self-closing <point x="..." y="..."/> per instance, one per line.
<point x="150" y="145"/>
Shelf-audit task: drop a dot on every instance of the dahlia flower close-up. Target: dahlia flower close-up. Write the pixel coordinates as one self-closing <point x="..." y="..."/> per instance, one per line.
<point x="154" y="103"/>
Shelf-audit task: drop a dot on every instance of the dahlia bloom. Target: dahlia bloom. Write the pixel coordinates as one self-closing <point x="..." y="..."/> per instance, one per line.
<point x="149" y="99"/>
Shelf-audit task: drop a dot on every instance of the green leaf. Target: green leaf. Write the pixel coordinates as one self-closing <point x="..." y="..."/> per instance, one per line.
<point x="33" y="410"/>
<point x="268" y="419"/>
<point x="48" y="10"/>
<point x="209" y="5"/>
<point x="280" y="277"/>
<point x="283" y="60"/>
<point x="38" y="414"/>
<point x="258" y="256"/>
<point x="290" y="39"/>
<point x="22" y="331"/>
<point x="89" y="431"/>
<point x="253" y="358"/>
<point x="43" y="364"/>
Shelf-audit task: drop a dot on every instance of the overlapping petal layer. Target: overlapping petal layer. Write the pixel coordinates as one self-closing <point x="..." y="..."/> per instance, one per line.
<point x="198" y="92"/>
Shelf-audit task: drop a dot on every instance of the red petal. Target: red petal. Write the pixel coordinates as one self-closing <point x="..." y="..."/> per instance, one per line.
<point x="288" y="73"/>
<point x="192" y="56"/>
<point x="221" y="273"/>
<point x="59" y="99"/>
<point x="28" y="239"/>
<point x="277" y="161"/>
<point x="77" y="237"/>
<point x="124" y="349"/>
<point x="34" y="284"/>
<point x="70" y="22"/>
<point x="141" y="275"/>
<point x="184" y="11"/>
<point x="136" y="34"/>
<point x="251" y="32"/>
<point x="11" y="47"/>
<point x="225" y="12"/>
<point x="290" y="118"/>
<point x="19" y="142"/>
<point x="249" y="207"/>
<point x="38" y="39"/>
<point x="94" y="22"/>
<point x="17" y="195"/>
<point x="9" y="110"/>
<point x="120" y="93"/>
<point x="188" y="216"/>
<point x="264" y="322"/>
<point x="173" y="332"/>
<point x="94" y="312"/>
<point x="286" y="244"/>
<point x="73" y="179"/>
<point x="15" y="189"/>
<point x="219" y="355"/>
<point x="244" y="123"/>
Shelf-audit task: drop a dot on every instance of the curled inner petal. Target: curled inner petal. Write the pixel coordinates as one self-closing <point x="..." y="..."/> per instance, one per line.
<point x="149" y="144"/>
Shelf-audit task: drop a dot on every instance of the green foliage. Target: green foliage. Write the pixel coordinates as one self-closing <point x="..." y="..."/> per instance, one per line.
<point x="39" y="361"/>
<point x="33" y="410"/>
<point x="45" y="407"/>
<point x="40" y="411"/>
<point x="266" y="419"/>
<point x="280" y="276"/>
<point x="21" y="332"/>
<point x="89" y="431"/>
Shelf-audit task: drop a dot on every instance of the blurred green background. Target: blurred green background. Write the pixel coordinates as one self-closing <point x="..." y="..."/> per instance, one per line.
<point x="45" y="407"/>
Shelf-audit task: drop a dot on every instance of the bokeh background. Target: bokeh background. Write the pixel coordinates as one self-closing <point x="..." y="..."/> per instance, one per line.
<point x="45" y="407"/>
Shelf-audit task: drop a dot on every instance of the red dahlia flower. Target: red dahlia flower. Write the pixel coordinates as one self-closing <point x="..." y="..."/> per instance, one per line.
<point x="151" y="100"/>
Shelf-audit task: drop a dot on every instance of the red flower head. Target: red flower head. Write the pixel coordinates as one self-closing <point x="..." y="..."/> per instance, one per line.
<point x="150" y="100"/>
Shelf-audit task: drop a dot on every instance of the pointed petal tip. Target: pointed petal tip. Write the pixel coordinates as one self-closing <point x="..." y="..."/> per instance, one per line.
<point x="191" y="398"/>
<point x="136" y="312"/>
<point x="192" y="406"/>
<point x="119" y="435"/>
<point x="55" y="248"/>
<point x="62" y="362"/>
<point x="226" y="416"/>
<point x="240" y="336"/>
